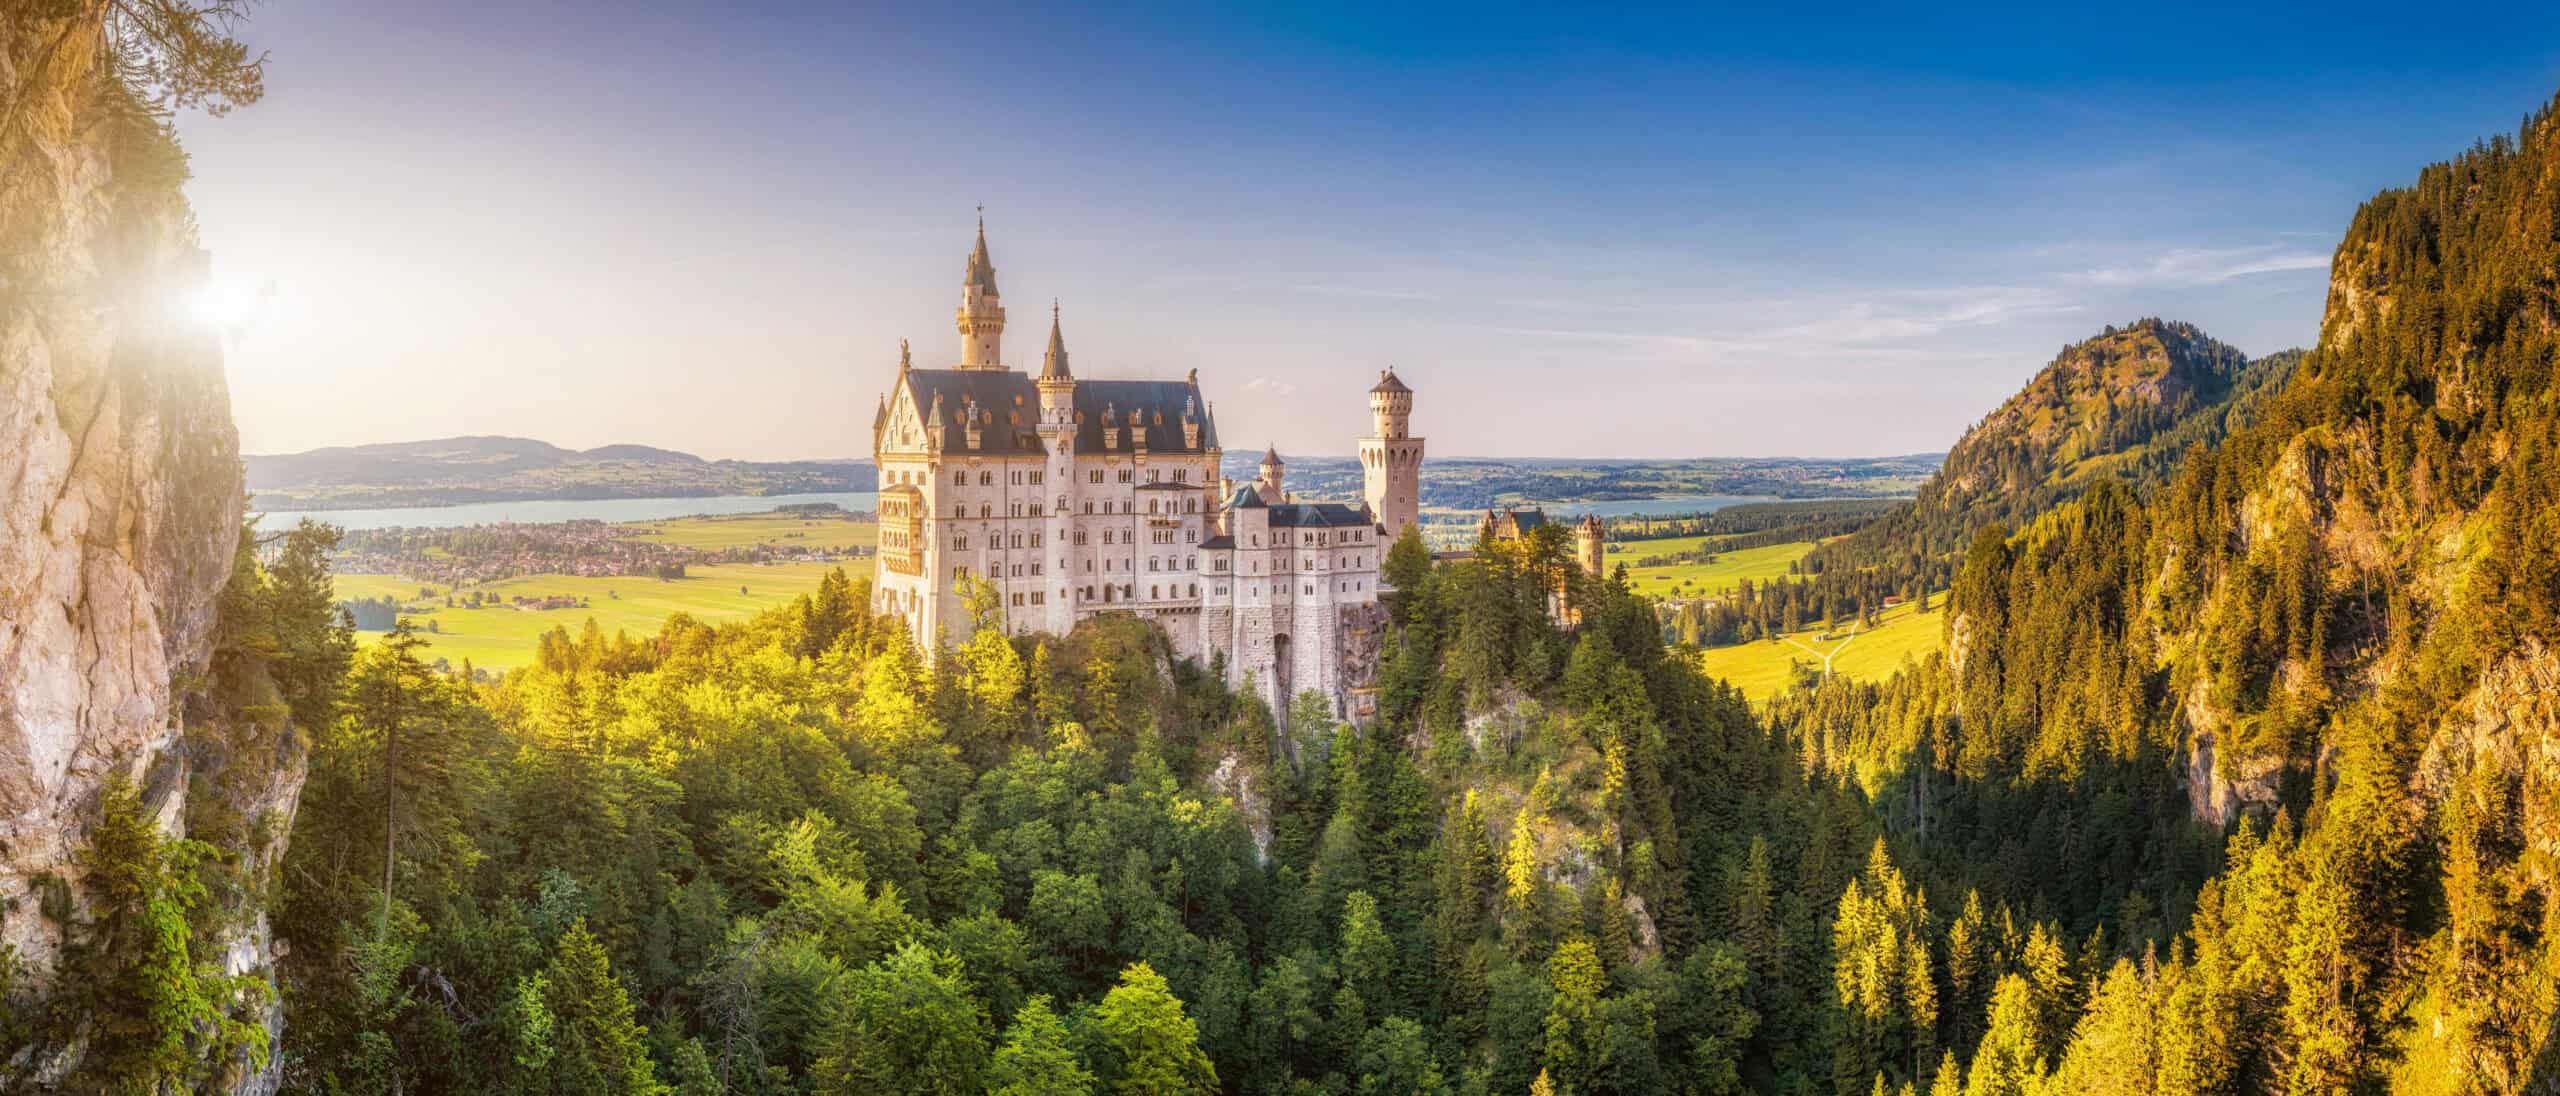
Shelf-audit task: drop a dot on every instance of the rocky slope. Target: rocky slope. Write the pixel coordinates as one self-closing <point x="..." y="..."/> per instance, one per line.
<point x="119" y="486"/>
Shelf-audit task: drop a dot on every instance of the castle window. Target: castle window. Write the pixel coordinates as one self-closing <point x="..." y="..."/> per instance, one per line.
<point x="958" y="573"/>
<point x="1151" y="474"/>
<point x="1088" y="567"/>
<point x="1035" y="566"/>
<point x="1079" y="538"/>
<point x="1155" y="591"/>
<point x="986" y="511"/>
<point x="1017" y="509"/>
<point x="1035" y="540"/>
<point x="1195" y="589"/>
<point x="1181" y="475"/>
<point x="1017" y="540"/>
<point x="1094" y="476"/>
<point x="1088" y="506"/>
<point x="1151" y="564"/>
<point x="1035" y="597"/>
<point x="1035" y="477"/>
<point x="986" y="479"/>
<point x="1017" y="600"/>
<point x="959" y="539"/>
<point x="1220" y="564"/>
<point x="1190" y="563"/>
<point x="1124" y="475"/>
<point x="960" y="479"/>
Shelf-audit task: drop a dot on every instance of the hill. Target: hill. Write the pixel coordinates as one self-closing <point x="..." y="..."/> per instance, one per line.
<point x="447" y="471"/>
<point x="2122" y="407"/>
<point x="2333" y="636"/>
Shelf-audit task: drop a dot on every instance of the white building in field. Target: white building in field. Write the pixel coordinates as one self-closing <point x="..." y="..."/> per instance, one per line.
<point x="1078" y="496"/>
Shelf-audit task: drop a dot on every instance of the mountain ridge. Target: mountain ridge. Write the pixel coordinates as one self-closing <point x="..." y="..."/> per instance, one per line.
<point x="502" y="468"/>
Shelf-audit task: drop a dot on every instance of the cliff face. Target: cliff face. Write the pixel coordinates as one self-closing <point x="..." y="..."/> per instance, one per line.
<point x="119" y="480"/>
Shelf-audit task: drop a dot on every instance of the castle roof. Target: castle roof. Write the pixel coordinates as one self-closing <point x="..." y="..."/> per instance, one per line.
<point x="1245" y="498"/>
<point x="1271" y="455"/>
<point x="1387" y="382"/>
<point x="1054" y="365"/>
<point x="1316" y="515"/>
<point x="1009" y="402"/>
<point x="982" y="271"/>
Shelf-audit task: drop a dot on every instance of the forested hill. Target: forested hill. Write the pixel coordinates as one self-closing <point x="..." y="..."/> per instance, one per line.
<point x="447" y="471"/>
<point x="2333" y="631"/>
<point x="2124" y="406"/>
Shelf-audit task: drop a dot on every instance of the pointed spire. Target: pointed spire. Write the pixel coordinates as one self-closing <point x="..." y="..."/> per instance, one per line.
<point x="982" y="270"/>
<point x="1054" y="366"/>
<point x="1271" y="455"/>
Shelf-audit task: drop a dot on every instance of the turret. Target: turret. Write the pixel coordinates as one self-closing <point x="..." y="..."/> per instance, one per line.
<point x="1057" y="381"/>
<point x="1391" y="459"/>
<point x="981" y="316"/>
<point x="1390" y="405"/>
<point x="1590" y="544"/>
<point x="1269" y="485"/>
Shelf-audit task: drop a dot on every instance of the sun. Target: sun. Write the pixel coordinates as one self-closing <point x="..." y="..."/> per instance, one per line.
<point x="229" y="304"/>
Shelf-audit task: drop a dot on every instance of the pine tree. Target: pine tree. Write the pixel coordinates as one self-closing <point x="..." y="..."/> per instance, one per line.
<point x="1155" y="1048"/>
<point x="595" y="1044"/>
<point x="1038" y="1057"/>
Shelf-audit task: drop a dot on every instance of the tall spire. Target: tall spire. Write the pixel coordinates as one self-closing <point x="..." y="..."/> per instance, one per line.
<point x="982" y="270"/>
<point x="981" y="315"/>
<point x="1053" y="367"/>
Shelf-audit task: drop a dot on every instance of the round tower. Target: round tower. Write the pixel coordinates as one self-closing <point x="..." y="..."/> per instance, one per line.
<point x="1591" y="545"/>
<point x="1269" y="484"/>
<point x="981" y="316"/>
<point x="1391" y="460"/>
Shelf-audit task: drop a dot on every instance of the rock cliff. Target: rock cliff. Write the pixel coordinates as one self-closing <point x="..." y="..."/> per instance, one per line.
<point x="120" y="491"/>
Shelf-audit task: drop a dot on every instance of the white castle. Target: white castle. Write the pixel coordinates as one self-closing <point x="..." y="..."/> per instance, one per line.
<point x="1076" y="497"/>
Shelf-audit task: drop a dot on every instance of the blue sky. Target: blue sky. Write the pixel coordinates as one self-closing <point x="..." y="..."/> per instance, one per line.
<point x="1615" y="232"/>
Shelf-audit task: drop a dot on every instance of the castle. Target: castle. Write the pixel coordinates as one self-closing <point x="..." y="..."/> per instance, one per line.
<point x="1074" y="497"/>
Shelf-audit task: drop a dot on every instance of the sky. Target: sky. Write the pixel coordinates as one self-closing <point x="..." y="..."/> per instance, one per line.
<point x="1595" y="231"/>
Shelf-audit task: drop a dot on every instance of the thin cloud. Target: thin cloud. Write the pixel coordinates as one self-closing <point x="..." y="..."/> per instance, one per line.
<point x="1270" y="387"/>
<point x="2189" y="267"/>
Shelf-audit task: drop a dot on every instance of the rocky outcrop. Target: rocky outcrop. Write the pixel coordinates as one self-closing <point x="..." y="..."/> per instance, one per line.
<point x="120" y="488"/>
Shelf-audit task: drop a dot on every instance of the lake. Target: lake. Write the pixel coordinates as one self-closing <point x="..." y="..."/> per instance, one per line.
<point x="627" y="510"/>
<point x="547" y="510"/>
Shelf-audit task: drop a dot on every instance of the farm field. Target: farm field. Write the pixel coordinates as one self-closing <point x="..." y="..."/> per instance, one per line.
<point x="1762" y="668"/>
<point x="789" y="530"/>
<point x="1700" y="579"/>
<point x="500" y="638"/>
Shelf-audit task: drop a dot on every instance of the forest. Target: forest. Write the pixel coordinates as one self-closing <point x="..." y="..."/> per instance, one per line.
<point x="2236" y="776"/>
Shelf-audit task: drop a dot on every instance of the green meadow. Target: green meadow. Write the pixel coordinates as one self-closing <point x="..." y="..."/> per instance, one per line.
<point x="1764" y="668"/>
<point x="788" y="530"/>
<point x="502" y="637"/>
<point x="1682" y="580"/>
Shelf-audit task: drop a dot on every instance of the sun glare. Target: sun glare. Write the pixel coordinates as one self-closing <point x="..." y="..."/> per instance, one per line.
<point x="230" y="304"/>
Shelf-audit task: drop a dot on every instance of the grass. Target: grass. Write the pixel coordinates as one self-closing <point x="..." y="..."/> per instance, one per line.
<point x="790" y="530"/>
<point x="1701" y="579"/>
<point x="504" y="638"/>
<point x="1762" y="669"/>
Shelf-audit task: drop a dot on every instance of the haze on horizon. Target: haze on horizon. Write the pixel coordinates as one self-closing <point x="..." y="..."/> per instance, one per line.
<point x="1669" y="233"/>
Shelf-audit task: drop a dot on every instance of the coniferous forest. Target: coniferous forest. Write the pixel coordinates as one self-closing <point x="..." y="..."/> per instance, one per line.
<point x="2240" y="773"/>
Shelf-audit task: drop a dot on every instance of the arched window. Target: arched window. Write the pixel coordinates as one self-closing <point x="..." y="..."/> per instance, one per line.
<point x="986" y="479"/>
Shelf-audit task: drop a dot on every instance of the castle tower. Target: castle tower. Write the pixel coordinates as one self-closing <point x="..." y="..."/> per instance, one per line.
<point x="1391" y="460"/>
<point x="1269" y="485"/>
<point x="981" y="318"/>
<point x="1057" y="435"/>
<point x="1590" y="545"/>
